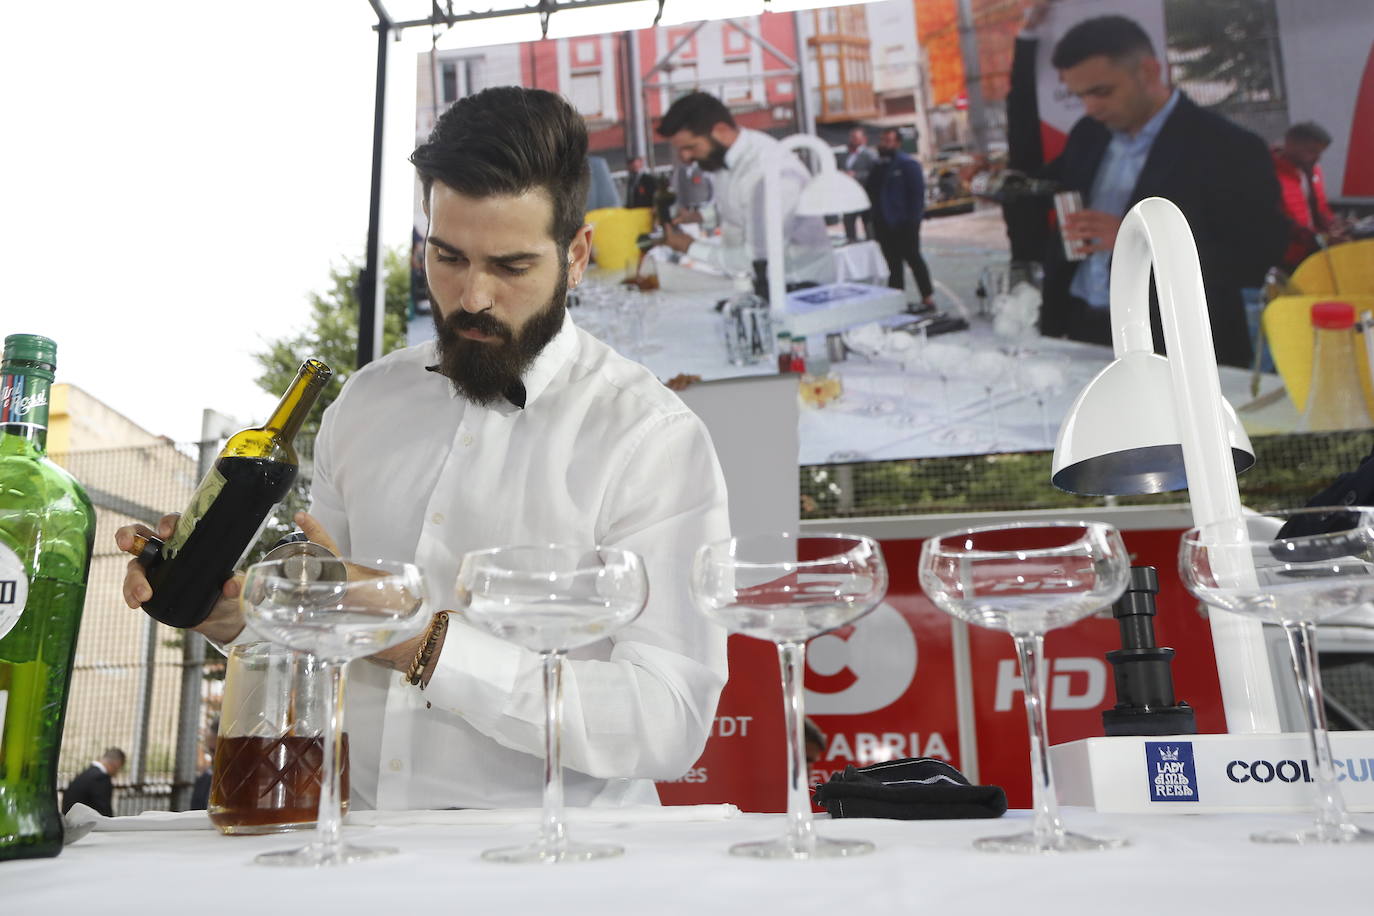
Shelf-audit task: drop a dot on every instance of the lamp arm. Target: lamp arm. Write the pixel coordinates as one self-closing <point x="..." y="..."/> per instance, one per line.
<point x="1156" y="233"/>
<point x="772" y="213"/>
<point x="772" y="207"/>
<point x="815" y="145"/>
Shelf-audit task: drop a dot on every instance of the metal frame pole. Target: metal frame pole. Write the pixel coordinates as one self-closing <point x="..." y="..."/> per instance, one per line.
<point x="371" y="282"/>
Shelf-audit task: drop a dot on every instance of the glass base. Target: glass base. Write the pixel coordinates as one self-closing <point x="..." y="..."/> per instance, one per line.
<point x="566" y="851"/>
<point x="818" y="848"/>
<point x="1064" y="841"/>
<point x="1317" y="834"/>
<point x="316" y="856"/>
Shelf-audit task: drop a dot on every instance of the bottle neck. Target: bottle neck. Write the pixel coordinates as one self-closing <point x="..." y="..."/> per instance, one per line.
<point x="295" y="404"/>
<point x="24" y="392"/>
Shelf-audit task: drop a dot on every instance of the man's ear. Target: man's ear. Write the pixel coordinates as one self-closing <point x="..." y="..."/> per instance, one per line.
<point x="579" y="253"/>
<point x="723" y="133"/>
<point x="1151" y="69"/>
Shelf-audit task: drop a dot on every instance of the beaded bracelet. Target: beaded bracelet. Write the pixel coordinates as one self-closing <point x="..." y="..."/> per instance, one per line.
<point x="416" y="671"/>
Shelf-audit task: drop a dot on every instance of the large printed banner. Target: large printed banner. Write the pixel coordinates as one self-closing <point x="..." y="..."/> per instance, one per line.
<point x="884" y="688"/>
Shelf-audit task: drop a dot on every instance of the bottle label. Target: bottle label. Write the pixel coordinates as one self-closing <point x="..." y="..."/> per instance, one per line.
<point x="23" y="399"/>
<point x="205" y="495"/>
<point x="14" y="590"/>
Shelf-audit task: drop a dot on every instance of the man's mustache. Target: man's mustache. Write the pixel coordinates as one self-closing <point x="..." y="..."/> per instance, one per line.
<point x="481" y="322"/>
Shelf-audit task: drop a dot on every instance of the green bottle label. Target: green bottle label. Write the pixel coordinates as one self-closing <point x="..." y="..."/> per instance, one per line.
<point x="14" y="591"/>
<point x="24" y="399"/>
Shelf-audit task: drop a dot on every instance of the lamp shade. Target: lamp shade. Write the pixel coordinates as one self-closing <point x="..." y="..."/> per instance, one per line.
<point x="832" y="192"/>
<point x="1121" y="436"/>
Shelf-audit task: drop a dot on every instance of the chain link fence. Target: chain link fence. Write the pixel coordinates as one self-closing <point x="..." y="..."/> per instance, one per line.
<point x="146" y="688"/>
<point x="1289" y="470"/>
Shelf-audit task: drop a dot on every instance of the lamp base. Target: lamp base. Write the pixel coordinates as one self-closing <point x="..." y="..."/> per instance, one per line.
<point x="1199" y="774"/>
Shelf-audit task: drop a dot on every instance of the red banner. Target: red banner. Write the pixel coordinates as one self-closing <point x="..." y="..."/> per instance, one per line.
<point x="884" y="688"/>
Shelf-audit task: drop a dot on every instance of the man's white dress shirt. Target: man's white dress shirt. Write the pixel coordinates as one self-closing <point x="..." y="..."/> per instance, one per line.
<point x="740" y="208"/>
<point x="601" y="454"/>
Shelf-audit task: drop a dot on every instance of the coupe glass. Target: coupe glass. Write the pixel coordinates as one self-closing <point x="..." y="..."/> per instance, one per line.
<point x="787" y="589"/>
<point x="373" y="606"/>
<point x="1292" y="568"/>
<point x="550" y="599"/>
<point x="1027" y="579"/>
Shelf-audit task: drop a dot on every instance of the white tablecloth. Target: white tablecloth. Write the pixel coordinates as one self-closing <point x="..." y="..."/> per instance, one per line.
<point x="986" y="402"/>
<point x="860" y="261"/>
<point x="1175" y="865"/>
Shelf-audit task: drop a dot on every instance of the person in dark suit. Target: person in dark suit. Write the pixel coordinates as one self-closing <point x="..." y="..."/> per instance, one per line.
<point x="897" y="188"/>
<point x="1140" y="138"/>
<point x="94" y="786"/>
<point x="858" y="163"/>
<point x="200" y="789"/>
<point x="639" y="185"/>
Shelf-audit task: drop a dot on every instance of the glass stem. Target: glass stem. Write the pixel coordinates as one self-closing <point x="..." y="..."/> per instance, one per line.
<point x="328" y="819"/>
<point x="553" y="834"/>
<point x="1047" y="828"/>
<point x="801" y="837"/>
<point x="1302" y="640"/>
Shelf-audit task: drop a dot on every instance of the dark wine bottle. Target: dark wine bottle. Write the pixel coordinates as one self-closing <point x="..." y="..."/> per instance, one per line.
<point x="253" y="472"/>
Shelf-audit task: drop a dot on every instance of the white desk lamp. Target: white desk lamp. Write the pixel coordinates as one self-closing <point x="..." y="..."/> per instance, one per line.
<point x="828" y="192"/>
<point x="1146" y="424"/>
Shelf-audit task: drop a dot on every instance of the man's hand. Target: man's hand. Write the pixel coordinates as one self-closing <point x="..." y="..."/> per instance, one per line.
<point x="675" y="238"/>
<point x="681" y="381"/>
<point x="1093" y="228"/>
<point x="315" y="531"/>
<point x="226" y="617"/>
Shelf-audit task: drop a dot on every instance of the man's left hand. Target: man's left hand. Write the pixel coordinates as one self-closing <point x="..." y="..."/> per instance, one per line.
<point x="675" y="238"/>
<point x="1095" y="229"/>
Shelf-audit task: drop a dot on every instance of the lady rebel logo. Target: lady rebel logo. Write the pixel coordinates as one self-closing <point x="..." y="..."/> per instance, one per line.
<point x="1172" y="772"/>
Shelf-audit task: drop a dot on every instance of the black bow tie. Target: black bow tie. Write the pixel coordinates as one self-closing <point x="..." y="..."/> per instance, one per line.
<point x="515" y="393"/>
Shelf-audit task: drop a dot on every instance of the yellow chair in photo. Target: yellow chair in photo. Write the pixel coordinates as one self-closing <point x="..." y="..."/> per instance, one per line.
<point x="1338" y="271"/>
<point x="1288" y="327"/>
<point x="615" y="231"/>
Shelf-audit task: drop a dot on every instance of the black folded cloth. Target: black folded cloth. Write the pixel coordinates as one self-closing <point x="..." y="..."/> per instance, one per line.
<point x="912" y="789"/>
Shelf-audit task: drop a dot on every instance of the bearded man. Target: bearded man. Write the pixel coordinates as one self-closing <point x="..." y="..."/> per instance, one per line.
<point x="514" y="427"/>
<point x="699" y="126"/>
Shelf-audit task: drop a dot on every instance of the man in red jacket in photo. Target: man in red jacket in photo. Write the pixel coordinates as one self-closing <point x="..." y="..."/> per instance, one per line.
<point x="1311" y="224"/>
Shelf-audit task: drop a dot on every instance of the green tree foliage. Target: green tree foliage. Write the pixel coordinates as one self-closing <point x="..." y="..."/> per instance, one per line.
<point x="1224" y="43"/>
<point x="331" y="335"/>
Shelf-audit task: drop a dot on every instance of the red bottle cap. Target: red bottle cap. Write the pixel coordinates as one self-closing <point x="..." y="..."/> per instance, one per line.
<point x="1333" y="316"/>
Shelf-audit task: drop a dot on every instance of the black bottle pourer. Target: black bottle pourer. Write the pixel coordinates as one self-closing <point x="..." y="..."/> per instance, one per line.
<point x="1145" y="702"/>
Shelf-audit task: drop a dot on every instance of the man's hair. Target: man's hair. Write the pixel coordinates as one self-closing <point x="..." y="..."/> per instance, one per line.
<point x="508" y="140"/>
<point x="1115" y="37"/>
<point x="113" y="753"/>
<point x="1308" y="132"/>
<point x="697" y="112"/>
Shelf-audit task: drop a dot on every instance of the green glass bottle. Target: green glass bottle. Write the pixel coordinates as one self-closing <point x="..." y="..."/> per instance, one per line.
<point x="47" y="527"/>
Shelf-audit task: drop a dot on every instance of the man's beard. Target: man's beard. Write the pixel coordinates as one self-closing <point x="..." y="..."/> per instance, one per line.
<point x="714" y="161"/>
<point x="481" y="371"/>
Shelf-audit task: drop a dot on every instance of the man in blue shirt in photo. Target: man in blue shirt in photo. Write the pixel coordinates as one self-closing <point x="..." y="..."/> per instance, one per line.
<point x="1141" y="138"/>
